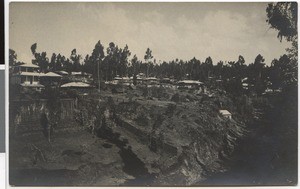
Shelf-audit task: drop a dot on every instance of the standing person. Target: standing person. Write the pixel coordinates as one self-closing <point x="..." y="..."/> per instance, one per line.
<point x="53" y="122"/>
<point x="17" y="122"/>
<point x="92" y="124"/>
<point x="45" y="124"/>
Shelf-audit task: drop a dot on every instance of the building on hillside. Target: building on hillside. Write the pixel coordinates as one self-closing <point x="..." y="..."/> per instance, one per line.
<point x="28" y="76"/>
<point x="245" y="79"/>
<point x="62" y="73"/>
<point x="25" y="74"/>
<point x="139" y="79"/>
<point x="141" y="75"/>
<point x="167" y="83"/>
<point x="226" y="114"/>
<point x="189" y="84"/>
<point x="50" y="79"/>
<point x="150" y="81"/>
<point x="127" y="81"/>
<point x="78" y="86"/>
<point x="117" y="80"/>
<point x="245" y="86"/>
<point x="80" y="77"/>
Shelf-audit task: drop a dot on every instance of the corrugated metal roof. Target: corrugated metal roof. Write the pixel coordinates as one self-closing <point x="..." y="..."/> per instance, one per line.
<point x="189" y="82"/>
<point x="225" y="112"/>
<point x="30" y="74"/>
<point x="29" y="65"/>
<point x="151" y="78"/>
<point x="63" y="72"/>
<point x="76" y="84"/>
<point x="51" y="74"/>
<point x="76" y="73"/>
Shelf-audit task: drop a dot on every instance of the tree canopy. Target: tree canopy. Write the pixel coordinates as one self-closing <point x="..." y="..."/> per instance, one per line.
<point x="283" y="16"/>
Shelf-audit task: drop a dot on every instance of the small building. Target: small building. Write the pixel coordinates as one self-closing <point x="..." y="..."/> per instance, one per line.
<point x="50" y="79"/>
<point x="245" y="79"/>
<point x="142" y="75"/>
<point x="226" y="114"/>
<point x="25" y="74"/>
<point x="139" y="79"/>
<point x="126" y="81"/>
<point x="80" y="77"/>
<point x="150" y="80"/>
<point x="80" y="87"/>
<point x="245" y="86"/>
<point x="211" y="78"/>
<point x="189" y="84"/>
<point x="62" y="73"/>
<point x="26" y="67"/>
<point x="29" y="78"/>
<point x="116" y="80"/>
<point x="122" y="80"/>
<point x="167" y="83"/>
<point x="76" y="85"/>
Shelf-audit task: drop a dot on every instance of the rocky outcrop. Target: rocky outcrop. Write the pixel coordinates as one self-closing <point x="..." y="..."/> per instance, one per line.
<point x="189" y="140"/>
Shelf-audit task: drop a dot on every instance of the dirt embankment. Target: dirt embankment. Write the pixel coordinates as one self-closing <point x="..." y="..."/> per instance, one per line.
<point x="174" y="139"/>
<point x="181" y="143"/>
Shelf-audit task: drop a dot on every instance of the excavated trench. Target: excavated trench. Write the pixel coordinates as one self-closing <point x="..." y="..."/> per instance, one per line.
<point x="181" y="155"/>
<point x="190" y="143"/>
<point x="132" y="164"/>
<point x="182" y="148"/>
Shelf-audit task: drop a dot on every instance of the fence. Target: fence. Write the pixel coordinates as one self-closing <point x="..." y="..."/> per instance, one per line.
<point x="27" y="114"/>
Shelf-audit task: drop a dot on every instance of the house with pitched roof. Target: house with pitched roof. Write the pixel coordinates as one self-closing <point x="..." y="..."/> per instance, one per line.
<point x="28" y="76"/>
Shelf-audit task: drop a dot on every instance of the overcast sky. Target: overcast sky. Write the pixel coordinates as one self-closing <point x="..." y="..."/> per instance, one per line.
<point x="171" y="30"/>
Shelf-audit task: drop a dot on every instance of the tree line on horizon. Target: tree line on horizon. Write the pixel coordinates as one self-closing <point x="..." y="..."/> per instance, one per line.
<point x="115" y="61"/>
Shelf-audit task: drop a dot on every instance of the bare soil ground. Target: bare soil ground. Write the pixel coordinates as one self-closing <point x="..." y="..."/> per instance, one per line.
<point x="72" y="158"/>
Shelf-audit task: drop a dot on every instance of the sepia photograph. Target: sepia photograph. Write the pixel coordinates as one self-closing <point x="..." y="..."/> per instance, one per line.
<point x="153" y="94"/>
